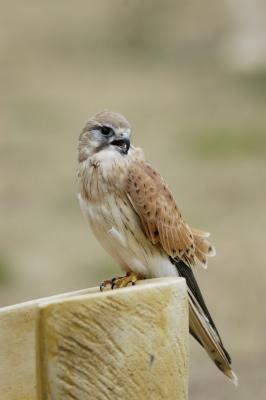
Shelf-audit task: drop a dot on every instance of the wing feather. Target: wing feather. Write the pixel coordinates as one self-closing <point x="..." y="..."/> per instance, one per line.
<point x="159" y="214"/>
<point x="162" y="223"/>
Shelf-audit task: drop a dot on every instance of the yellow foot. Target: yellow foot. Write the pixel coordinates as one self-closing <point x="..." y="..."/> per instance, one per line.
<point x="121" y="281"/>
<point x="108" y="282"/>
<point x="130" y="278"/>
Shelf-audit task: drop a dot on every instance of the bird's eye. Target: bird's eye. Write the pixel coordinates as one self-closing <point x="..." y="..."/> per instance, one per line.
<point x="105" y="130"/>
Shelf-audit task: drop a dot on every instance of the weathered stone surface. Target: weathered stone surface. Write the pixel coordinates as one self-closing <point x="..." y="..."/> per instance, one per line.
<point x="124" y="344"/>
<point x="18" y="378"/>
<point x="17" y="354"/>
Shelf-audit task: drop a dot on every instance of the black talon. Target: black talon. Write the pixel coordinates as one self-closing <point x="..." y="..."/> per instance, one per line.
<point x="102" y="285"/>
<point x="113" y="284"/>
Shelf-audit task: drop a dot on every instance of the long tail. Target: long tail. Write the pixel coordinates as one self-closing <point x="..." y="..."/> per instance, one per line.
<point x="201" y="325"/>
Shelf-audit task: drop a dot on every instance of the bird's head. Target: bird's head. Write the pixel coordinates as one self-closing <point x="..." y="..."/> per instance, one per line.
<point x="106" y="130"/>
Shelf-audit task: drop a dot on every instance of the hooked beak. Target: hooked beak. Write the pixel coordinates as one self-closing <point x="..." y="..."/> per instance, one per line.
<point x="122" y="144"/>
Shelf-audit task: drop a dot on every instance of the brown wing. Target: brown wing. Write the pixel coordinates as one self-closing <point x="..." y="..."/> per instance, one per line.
<point x="161" y="219"/>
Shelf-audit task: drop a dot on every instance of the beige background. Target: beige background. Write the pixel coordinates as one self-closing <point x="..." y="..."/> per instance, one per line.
<point x="195" y="95"/>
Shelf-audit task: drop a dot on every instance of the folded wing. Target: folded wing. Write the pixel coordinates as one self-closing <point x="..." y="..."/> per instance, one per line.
<point x="163" y="224"/>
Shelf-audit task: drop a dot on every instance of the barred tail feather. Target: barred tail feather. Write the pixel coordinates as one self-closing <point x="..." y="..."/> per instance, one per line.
<point x="201" y="324"/>
<point x="201" y="329"/>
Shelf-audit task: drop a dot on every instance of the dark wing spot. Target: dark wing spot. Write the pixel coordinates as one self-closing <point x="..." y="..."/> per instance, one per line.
<point x="218" y="363"/>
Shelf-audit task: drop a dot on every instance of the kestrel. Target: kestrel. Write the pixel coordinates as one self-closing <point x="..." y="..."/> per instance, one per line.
<point x="134" y="216"/>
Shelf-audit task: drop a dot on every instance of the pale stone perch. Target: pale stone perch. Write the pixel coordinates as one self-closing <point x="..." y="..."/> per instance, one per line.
<point x="127" y="343"/>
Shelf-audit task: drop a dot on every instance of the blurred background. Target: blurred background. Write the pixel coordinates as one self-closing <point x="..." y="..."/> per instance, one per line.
<point x="191" y="78"/>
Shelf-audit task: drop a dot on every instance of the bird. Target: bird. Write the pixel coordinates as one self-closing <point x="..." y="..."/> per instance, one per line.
<point x="134" y="216"/>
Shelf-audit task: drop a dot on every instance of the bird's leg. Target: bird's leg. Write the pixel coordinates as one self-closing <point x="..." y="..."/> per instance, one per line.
<point x="130" y="278"/>
<point x="121" y="281"/>
<point x="109" y="282"/>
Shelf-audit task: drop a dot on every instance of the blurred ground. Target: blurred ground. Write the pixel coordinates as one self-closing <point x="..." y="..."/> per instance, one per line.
<point x="201" y="123"/>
